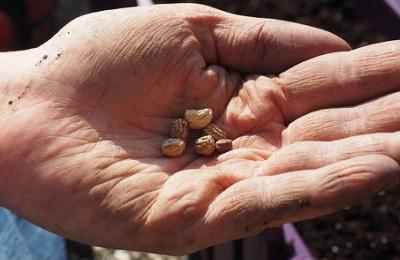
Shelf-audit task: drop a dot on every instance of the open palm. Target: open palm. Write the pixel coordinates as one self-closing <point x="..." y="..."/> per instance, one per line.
<point x="89" y="118"/>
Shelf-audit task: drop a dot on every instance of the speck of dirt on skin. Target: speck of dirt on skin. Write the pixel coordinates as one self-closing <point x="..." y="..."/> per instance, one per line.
<point x="42" y="59"/>
<point x="59" y="54"/>
<point x="303" y="203"/>
<point x="27" y="88"/>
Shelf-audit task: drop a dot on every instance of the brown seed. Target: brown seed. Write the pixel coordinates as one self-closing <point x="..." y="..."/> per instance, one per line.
<point x="216" y="132"/>
<point x="205" y="145"/>
<point x="198" y="119"/>
<point x="179" y="129"/>
<point x="173" y="147"/>
<point x="223" y="145"/>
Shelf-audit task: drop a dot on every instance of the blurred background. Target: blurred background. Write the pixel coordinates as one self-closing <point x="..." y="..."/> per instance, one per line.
<point x="368" y="231"/>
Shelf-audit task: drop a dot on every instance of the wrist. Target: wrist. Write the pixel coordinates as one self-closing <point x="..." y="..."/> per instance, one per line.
<point x="16" y="70"/>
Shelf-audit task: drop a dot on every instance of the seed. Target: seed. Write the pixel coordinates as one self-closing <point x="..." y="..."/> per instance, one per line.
<point x="198" y="119"/>
<point x="216" y="132"/>
<point x="179" y="129"/>
<point x="223" y="145"/>
<point x="173" y="147"/>
<point x="205" y="145"/>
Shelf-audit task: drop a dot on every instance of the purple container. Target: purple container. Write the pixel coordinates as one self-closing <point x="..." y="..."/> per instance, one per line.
<point x="292" y="237"/>
<point x="273" y="244"/>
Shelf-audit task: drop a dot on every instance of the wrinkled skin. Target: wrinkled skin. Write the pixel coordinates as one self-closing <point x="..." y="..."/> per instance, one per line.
<point x="83" y="117"/>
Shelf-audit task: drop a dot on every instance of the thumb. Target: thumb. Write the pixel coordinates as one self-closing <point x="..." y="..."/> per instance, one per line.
<point x="258" y="45"/>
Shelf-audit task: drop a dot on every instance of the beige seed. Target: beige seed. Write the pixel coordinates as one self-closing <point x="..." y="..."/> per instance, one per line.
<point x="173" y="147"/>
<point x="205" y="145"/>
<point x="216" y="132"/>
<point x="179" y="129"/>
<point x="198" y="119"/>
<point x="223" y="145"/>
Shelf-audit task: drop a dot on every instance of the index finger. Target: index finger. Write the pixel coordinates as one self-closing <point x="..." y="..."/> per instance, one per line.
<point x="340" y="79"/>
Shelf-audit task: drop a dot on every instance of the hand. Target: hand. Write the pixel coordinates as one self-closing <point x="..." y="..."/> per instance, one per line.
<point x="87" y="112"/>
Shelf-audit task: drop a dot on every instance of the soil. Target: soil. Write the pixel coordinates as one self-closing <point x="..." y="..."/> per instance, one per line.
<point x="368" y="231"/>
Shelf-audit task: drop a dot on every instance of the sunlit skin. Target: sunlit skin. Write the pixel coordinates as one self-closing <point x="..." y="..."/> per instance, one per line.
<point x="83" y="117"/>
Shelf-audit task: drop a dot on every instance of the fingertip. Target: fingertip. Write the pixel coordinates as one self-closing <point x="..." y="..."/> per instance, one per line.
<point x="385" y="166"/>
<point x="336" y="43"/>
<point x="324" y="41"/>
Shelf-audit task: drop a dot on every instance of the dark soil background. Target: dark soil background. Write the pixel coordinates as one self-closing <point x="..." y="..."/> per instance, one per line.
<point x="367" y="231"/>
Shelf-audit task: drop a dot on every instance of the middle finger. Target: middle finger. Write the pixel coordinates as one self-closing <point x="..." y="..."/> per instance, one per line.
<point x="340" y="79"/>
<point x="308" y="155"/>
